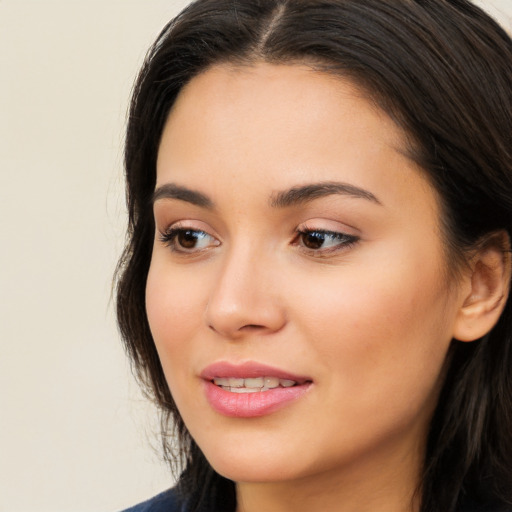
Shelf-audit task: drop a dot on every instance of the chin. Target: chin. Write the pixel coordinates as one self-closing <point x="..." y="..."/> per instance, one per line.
<point x="258" y="472"/>
<point x="253" y="465"/>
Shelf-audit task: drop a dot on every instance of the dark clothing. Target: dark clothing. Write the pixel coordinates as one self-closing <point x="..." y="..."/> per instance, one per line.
<point x="168" y="501"/>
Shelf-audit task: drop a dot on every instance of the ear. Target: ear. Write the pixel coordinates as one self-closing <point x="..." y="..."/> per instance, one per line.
<point x="488" y="282"/>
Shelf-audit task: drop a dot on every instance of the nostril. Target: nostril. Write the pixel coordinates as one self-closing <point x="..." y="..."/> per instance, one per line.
<point x="245" y="328"/>
<point x="251" y="327"/>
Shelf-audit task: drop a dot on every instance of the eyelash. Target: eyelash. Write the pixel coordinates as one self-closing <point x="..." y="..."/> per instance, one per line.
<point x="169" y="239"/>
<point x="342" y="241"/>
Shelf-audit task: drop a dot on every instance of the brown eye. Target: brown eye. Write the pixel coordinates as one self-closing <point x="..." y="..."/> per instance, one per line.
<point x="313" y="239"/>
<point x="187" y="240"/>
<point x="324" y="241"/>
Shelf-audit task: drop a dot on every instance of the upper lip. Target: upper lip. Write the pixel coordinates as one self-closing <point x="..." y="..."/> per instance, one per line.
<point x="224" y="369"/>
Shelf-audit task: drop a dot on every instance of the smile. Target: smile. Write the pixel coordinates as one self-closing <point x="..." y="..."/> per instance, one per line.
<point x="253" y="384"/>
<point x="251" y="389"/>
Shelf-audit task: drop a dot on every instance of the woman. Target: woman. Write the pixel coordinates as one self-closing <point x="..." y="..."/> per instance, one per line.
<point x="315" y="284"/>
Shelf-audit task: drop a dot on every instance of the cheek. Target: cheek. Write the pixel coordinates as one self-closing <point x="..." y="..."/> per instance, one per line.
<point x="383" y="330"/>
<point x="174" y="309"/>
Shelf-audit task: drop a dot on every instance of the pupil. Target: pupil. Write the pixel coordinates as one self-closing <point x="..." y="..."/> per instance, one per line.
<point x="187" y="239"/>
<point x="314" y="240"/>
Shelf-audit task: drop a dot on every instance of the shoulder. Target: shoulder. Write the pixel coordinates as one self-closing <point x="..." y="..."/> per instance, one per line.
<point x="167" y="501"/>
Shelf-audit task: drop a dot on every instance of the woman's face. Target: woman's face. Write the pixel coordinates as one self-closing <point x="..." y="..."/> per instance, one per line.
<point x="297" y="249"/>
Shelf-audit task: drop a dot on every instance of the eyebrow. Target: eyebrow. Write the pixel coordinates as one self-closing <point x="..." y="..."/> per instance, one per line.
<point x="173" y="191"/>
<point x="306" y="193"/>
<point x="292" y="197"/>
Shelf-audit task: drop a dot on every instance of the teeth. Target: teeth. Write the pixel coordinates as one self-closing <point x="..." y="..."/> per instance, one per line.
<point x="271" y="382"/>
<point x="253" y="384"/>
<point x="244" y="390"/>
<point x="221" y="382"/>
<point x="236" y="383"/>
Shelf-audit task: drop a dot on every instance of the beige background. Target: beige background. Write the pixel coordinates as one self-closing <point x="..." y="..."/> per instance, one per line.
<point x="75" y="434"/>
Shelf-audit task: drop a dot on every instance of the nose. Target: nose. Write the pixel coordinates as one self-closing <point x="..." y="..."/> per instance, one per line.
<point x="245" y="297"/>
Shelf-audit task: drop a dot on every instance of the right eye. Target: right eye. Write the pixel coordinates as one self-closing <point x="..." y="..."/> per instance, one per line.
<point x="187" y="240"/>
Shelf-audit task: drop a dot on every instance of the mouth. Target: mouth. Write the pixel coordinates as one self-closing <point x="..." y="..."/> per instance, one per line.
<point x="252" y="384"/>
<point x="251" y="389"/>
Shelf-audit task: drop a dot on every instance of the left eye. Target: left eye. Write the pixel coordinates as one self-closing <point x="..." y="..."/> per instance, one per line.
<point x="324" y="240"/>
<point x="187" y="240"/>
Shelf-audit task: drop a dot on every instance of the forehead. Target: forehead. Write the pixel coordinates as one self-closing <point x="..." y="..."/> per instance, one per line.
<point x="286" y="97"/>
<point x="274" y="126"/>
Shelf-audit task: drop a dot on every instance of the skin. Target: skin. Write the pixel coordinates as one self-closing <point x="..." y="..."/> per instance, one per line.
<point x="369" y="322"/>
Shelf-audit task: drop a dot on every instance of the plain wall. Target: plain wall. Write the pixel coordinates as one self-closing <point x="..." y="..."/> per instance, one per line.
<point x="75" y="433"/>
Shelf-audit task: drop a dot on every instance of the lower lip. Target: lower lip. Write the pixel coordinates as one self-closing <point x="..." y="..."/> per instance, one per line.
<point x="251" y="405"/>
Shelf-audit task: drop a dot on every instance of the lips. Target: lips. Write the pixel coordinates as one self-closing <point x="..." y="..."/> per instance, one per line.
<point x="251" y="389"/>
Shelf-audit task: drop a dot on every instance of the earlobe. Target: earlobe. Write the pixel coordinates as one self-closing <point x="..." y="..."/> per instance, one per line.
<point x="489" y="286"/>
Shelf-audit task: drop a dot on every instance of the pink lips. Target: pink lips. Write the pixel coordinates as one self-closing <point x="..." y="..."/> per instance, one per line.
<point x="250" y="405"/>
